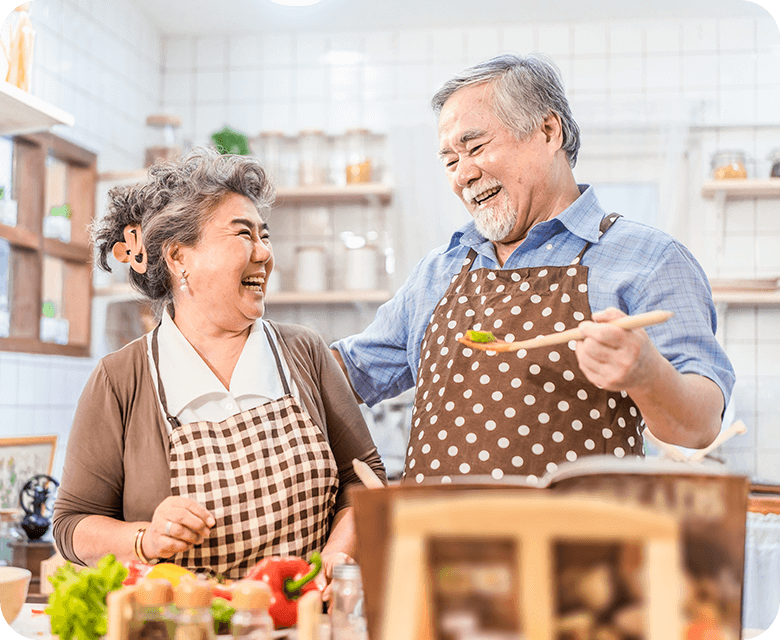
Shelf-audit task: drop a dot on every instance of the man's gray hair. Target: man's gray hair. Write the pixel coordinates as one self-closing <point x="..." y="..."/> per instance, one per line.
<point x="526" y="89"/>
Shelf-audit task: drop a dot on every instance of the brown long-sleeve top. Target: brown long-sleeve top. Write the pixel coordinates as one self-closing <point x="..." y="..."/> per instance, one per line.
<point x="117" y="462"/>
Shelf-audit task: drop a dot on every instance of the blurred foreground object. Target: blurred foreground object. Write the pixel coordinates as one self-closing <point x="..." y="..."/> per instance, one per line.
<point x="20" y="50"/>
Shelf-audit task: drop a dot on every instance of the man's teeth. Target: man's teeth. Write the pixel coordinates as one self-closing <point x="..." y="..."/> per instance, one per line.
<point x="486" y="194"/>
<point x="251" y="283"/>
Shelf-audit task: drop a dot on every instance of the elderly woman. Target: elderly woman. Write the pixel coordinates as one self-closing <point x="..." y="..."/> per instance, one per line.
<point x="219" y="438"/>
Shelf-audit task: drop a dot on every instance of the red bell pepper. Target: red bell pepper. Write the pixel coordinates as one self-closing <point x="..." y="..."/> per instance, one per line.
<point x="289" y="578"/>
<point x="135" y="571"/>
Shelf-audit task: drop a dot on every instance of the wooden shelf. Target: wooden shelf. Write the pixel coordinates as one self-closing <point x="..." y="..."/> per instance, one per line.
<point x="331" y="193"/>
<point x="328" y="297"/>
<point x="21" y="112"/>
<point x="742" y="189"/>
<point x="746" y="297"/>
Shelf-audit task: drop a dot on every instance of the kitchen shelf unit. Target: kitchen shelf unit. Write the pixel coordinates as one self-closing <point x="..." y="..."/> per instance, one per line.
<point x="21" y="112"/>
<point x="369" y="192"/>
<point x="328" y="297"/>
<point x="723" y="191"/>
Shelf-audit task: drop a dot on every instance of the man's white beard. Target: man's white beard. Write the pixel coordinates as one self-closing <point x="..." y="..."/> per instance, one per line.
<point x="495" y="223"/>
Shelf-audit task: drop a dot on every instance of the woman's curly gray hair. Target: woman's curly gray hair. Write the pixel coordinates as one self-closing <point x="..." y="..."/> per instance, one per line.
<point x="172" y="207"/>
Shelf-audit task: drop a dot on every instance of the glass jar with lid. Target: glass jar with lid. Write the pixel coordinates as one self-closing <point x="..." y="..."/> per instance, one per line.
<point x="312" y="163"/>
<point x="348" y="619"/>
<point x="729" y="165"/>
<point x="163" y="140"/>
<point x="358" y="159"/>
<point x="774" y="163"/>
<point x="268" y="146"/>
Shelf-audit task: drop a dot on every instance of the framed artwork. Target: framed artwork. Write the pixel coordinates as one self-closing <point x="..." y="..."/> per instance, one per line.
<point x="21" y="459"/>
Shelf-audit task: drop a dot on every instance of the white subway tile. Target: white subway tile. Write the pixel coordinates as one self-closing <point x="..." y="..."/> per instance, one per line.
<point x="9" y="378"/>
<point x="345" y="82"/>
<point x="211" y="53"/>
<point x="737" y="69"/>
<point x="310" y="49"/>
<point x="481" y="44"/>
<point x="737" y="105"/>
<point x="741" y="217"/>
<point x="700" y="70"/>
<point x="626" y="37"/>
<point x="209" y="118"/>
<point x="9" y="421"/>
<point x="245" y="85"/>
<point x="277" y="116"/>
<point x="519" y="39"/>
<point x="179" y="53"/>
<point x="210" y="86"/>
<point x="380" y="83"/>
<point x="768" y="364"/>
<point x="663" y="71"/>
<point x="766" y="32"/>
<point x="767" y="218"/>
<point x="378" y="115"/>
<point x="737" y="34"/>
<point x="590" y="39"/>
<point x="278" y="50"/>
<point x="768" y="324"/>
<point x="244" y="117"/>
<point x="740" y="327"/>
<point x="663" y="36"/>
<point x="277" y="85"/>
<point x="312" y="84"/>
<point x="700" y="34"/>
<point x="178" y="89"/>
<point x="414" y="45"/>
<point x="414" y="82"/>
<point x="740" y="461"/>
<point x="343" y="115"/>
<point x="743" y="358"/>
<point x="449" y="45"/>
<point x="311" y="114"/>
<point x="767" y="99"/>
<point x="589" y="75"/>
<point x="555" y="39"/>
<point x="626" y="73"/>
<point x="245" y="51"/>
<point x="381" y="46"/>
<point x="768" y="256"/>
<point x="768" y="66"/>
<point x="738" y="257"/>
<point x="350" y="41"/>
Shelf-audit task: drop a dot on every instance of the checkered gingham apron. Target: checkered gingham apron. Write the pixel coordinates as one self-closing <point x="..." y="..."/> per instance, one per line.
<point x="267" y="475"/>
<point x="519" y="413"/>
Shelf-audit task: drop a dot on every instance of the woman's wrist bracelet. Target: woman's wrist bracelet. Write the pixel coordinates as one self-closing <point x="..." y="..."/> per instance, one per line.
<point x="137" y="546"/>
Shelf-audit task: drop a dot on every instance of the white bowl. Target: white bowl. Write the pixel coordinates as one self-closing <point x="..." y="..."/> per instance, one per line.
<point x="14" y="582"/>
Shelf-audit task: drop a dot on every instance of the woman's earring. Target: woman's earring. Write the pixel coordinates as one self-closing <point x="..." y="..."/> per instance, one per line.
<point x="183" y="281"/>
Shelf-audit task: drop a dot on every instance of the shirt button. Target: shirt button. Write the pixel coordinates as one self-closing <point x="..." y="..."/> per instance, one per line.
<point x="549" y="247"/>
<point x="229" y="406"/>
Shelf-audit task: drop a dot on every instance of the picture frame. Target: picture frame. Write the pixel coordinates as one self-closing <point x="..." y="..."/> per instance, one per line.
<point x="21" y="458"/>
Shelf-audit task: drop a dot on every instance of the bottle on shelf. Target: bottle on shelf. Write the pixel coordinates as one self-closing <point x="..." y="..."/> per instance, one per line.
<point x="729" y="165"/>
<point x="312" y="164"/>
<point x="358" y="160"/>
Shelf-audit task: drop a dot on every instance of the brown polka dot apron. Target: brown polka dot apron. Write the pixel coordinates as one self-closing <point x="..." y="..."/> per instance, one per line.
<point x="267" y="475"/>
<point x="521" y="413"/>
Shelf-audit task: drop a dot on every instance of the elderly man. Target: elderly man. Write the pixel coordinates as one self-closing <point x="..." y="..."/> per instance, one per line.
<point x="540" y="256"/>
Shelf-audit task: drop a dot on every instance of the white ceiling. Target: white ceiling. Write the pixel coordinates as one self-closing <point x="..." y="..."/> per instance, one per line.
<point x="200" y="17"/>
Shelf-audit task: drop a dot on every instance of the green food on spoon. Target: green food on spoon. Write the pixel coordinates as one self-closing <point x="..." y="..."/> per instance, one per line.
<point x="480" y="336"/>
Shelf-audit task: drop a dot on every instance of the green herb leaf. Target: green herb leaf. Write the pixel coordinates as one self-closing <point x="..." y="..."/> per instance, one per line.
<point x="480" y="336"/>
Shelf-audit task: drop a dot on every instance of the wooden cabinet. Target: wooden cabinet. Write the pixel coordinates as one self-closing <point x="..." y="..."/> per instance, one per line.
<point x="48" y="268"/>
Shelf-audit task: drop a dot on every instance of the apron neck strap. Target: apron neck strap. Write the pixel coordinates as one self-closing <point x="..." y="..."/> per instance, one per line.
<point x="279" y="367"/>
<point x="173" y="420"/>
<point x="606" y="223"/>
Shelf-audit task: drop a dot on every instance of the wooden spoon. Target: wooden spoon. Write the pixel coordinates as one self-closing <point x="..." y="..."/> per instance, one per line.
<point x="626" y="322"/>
<point x="735" y="429"/>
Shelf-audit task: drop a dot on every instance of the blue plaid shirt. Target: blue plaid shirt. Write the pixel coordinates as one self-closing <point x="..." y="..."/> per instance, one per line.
<point x="633" y="267"/>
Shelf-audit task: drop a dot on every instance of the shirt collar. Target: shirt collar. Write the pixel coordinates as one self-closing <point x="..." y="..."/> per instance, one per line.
<point x="582" y="218"/>
<point x="186" y="377"/>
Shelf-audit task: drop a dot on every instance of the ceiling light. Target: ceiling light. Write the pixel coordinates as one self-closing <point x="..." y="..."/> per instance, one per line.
<point x="295" y="3"/>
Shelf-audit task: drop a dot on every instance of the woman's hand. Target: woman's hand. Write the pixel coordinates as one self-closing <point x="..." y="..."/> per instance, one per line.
<point x="325" y="579"/>
<point x="178" y="524"/>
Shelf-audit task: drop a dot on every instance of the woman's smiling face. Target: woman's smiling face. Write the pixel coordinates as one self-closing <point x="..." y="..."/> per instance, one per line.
<point x="228" y="269"/>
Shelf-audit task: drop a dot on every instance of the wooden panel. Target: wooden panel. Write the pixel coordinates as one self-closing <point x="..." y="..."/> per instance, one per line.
<point x="78" y="302"/>
<point x="33" y="345"/>
<point x="72" y="252"/>
<point x="29" y="164"/>
<point x="20" y="237"/>
<point x="25" y="293"/>
<point x="81" y="197"/>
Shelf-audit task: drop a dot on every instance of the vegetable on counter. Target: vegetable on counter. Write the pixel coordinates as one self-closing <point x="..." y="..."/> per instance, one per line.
<point x="77" y="608"/>
<point x="480" y="336"/>
<point x="289" y="578"/>
<point x="222" y="612"/>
